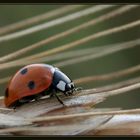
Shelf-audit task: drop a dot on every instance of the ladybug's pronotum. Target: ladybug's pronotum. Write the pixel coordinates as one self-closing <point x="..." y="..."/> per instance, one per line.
<point x="34" y="81"/>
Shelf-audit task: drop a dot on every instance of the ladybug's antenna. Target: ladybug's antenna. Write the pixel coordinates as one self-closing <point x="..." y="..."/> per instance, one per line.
<point x="78" y="89"/>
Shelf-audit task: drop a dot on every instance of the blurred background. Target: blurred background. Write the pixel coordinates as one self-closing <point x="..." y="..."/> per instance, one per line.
<point x="114" y="62"/>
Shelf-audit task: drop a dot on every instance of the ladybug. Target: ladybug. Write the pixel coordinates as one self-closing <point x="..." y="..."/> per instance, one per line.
<point x="34" y="81"/>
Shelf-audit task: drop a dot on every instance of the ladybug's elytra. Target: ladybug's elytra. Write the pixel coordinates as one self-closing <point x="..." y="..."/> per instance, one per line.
<point x="36" y="80"/>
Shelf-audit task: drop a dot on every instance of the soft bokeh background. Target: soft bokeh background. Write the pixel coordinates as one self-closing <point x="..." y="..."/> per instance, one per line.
<point x="114" y="62"/>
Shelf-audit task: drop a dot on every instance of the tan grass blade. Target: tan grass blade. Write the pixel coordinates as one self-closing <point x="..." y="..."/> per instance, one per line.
<point x="54" y="22"/>
<point x="87" y="39"/>
<point x="107" y="51"/>
<point x="73" y="127"/>
<point x="87" y="122"/>
<point x="92" y="22"/>
<point x="46" y="105"/>
<point x="112" y="86"/>
<point x="10" y="121"/>
<point x="33" y="20"/>
<point x="109" y="76"/>
<point x="120" y="125"/>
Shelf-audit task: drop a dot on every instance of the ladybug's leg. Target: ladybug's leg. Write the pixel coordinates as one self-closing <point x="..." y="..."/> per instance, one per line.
<point x="37" y="97"/>
<point x="70" y="93"/>
<point x="59" y="99"/>
<point x="16" y="105"/>
<point x="22" y="101"/>
<point x="14" y="108"/>
<point x="52" y="94"/>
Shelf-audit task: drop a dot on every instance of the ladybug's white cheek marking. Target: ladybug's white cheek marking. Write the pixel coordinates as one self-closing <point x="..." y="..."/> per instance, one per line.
<point x="61" y="85"/>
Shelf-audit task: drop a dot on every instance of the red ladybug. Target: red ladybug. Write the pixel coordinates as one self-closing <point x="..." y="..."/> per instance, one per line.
<point x="34" y="81"/>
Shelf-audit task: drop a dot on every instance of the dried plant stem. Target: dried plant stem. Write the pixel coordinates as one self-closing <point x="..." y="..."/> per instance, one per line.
<point x="86" y="39"/>
<point x="121" y="90"/>
<point x="17" y="53"/>
<point x="106" y="88"/>
<point x="61" y="117"/>
<point x="54" y="22"/>
<point x="85" y="114"/>
<point x="109" y="76"/>
<point x="107" y="50"/>
<point x="73" y="44"/>
<point x="4" y="80"/>
<point x="68" y="32"/>
<point x="69" y="54"/>
<point x="105" y="94"/>
<point x="38" y="18"/>
<point x="110" y="87"/>
<point x="116" y="48"/>
<point x="5" y="109"/>
<point x="63" y="55"/>
<point x="1" y="97"/>
<point x="69" y="127"/>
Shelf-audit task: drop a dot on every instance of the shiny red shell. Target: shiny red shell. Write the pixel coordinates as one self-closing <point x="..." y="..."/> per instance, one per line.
<point x="30" y="80"/>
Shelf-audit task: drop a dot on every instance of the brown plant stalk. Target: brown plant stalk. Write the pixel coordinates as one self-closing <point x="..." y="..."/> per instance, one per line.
<point x="33" y="20"/>
<point x="92" y="22"/>
<point x="54" y="22"/>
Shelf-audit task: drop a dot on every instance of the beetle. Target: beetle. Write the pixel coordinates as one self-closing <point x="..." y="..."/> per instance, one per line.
<point x="34" y="81"/>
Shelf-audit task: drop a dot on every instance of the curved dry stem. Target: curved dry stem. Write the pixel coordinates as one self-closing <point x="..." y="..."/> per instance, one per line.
<point x="87" y="125"/>
<point x="54" y="22"/>
<point x="110" y="87"/>
<point x="109" y="15"/>
<point x="107" y="50"/>
<point x="69" y="54"/>
<point x="109" y="76"/>
<point x="105" y="88"/>
<point x="38" y="18"/>
<point x="60" y="56"/>
<point x="1" y="97"/>
<point x="121" y="90"/>
<point x="4" y="80"/>
<point x="104" y="94"/>
<point x="116" y="48"/>
<point x="86" y="39"/>
<point x="43" y="105"/>
<point x="60" y="117"/>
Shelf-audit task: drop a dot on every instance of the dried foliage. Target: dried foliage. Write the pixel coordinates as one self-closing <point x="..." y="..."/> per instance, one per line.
<point x="78" y="117"/>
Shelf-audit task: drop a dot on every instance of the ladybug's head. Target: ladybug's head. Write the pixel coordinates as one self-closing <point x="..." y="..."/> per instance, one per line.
<point x="62" y="82"/>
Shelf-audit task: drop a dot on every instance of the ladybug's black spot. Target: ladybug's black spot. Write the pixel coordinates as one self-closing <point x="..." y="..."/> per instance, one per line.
<point x="6" y="93"/>
<point x="24" y="71"/>
<point x="31" y="84"/>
